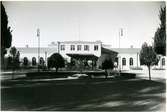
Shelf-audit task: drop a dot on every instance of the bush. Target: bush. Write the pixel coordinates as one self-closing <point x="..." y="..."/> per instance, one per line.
<point x="136" y="68"/>
<point x="107" y="64"/>
<point x="56" y="61"/>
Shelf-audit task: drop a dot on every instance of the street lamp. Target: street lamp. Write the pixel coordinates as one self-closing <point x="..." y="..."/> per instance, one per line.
<point x="38" y="35"/>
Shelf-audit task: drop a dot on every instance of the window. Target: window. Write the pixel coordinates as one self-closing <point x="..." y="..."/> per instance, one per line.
<point x="78" y="47"/>
<point x="25" y="61"/>
<point x="163" y="61"/>
<point x="72" y="47"/>
<point x="96" y="47"/>
<point x="41" y="61"/>
<point x="131" y="61"/>
<point x="86" y="47"/>
<point x="62" y="47"/>
<point x="34" y="61"/>
<point x="123" y="61"/>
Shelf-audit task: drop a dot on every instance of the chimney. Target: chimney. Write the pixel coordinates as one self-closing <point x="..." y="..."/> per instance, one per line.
<point x="27" y="46"/>
<point x="131" y="46"/>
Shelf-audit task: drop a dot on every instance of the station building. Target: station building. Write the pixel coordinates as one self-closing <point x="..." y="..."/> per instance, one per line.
<point x="95" y="52"/>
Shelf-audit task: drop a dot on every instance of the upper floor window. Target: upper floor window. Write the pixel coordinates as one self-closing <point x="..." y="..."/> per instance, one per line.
<point x="78" y="47"/>
<point x="96" y="47"/>
<point x="62" y="47"/>
<point x="123" y="61"/>
<point x="72" y="47"/>
<point x="163" y="61"/>
<point x="131" y="61"/>
<point x="86" y="47"/>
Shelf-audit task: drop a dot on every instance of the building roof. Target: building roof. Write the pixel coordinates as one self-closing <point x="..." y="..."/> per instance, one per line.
<point x="76" y="42"/>
<point x="35" y="49"/>
<point x="126" y="50"/>
<point x="108" y="51"/>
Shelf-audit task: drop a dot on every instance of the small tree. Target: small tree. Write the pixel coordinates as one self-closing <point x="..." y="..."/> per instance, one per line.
<point x="148" y="57"/>
<point x="107" y="64"/>
<point x="15" y="55"/>
<point x="56" y="60"/>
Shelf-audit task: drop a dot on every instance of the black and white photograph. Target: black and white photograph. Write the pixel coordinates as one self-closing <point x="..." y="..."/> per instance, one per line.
<point x="83" y="56"/>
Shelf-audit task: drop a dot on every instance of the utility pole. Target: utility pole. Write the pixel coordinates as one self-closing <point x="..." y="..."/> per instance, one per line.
<point x="45" y="58"/>
<point x="38" y="35"/>
<point x="119" y="37"/>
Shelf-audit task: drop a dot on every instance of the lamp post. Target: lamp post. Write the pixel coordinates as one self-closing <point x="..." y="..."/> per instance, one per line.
<point x="38" y="35"/>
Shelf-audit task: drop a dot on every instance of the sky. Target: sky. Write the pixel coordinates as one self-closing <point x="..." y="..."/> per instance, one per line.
<point x="84" y="21"/>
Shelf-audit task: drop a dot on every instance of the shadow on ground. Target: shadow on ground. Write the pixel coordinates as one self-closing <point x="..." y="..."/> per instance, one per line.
<point x="94" y="94"/>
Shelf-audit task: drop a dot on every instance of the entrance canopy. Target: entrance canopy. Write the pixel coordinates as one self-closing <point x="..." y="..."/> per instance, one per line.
<point x="83" y="56"/>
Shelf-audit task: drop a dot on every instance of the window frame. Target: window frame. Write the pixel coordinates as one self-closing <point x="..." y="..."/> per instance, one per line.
<point x="86" y="47"/>
<point x="123" y="61"/>
<point x="163" y="61"/>
<point x="131" y="61"/>
<point x="62" y="47"/>
<point x="72" y="47"/>
<point x="79" y="47"/>
<point x="96" y="47"/>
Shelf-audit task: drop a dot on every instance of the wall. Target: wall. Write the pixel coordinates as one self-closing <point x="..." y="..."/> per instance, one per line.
<point x="82" y="51"/>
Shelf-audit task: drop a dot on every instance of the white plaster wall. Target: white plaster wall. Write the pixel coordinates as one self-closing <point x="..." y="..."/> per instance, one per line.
<point x="82" y="51"/>
<point x="127" y="57"/>
<point x="31" y="55"/>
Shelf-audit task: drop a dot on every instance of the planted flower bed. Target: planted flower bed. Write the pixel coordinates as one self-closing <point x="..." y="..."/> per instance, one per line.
<point x="65" y="74"/>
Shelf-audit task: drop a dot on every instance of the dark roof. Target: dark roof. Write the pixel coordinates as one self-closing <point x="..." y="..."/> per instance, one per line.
<point x="108" y="51"/>
<point x="126" y="50"/>
<point x="83" y="56"/>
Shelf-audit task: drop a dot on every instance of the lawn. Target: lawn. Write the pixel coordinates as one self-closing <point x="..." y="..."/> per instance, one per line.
<point x="89" y="94"/>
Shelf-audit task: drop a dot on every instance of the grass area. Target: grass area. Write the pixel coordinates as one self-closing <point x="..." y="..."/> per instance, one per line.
<point x="94" y="94"/>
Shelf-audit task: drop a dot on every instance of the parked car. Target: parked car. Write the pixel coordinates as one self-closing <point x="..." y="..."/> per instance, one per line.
<point x="78" y="76"/>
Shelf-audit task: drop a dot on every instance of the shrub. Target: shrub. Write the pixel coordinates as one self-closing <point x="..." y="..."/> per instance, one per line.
<point x="56" y="61"/>
<point x="107" y="64"/>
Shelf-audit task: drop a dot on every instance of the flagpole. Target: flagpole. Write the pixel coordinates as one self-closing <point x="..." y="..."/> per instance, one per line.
<point x="38" y="35"/>
<point x="119" y="37"/>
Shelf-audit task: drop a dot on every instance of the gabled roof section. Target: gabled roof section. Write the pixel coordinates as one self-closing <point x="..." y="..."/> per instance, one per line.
<point x="108" y="51"/>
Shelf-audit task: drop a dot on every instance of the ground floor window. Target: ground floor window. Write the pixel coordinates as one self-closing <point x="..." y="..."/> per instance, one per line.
<point x="123" y="61"/>
<point x="34" y="61"/>
<point x="131" y="61"/>
<point x="163" y="61"/>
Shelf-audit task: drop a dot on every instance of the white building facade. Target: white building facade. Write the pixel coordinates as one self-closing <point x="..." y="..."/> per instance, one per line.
<point x="127" y="58"/>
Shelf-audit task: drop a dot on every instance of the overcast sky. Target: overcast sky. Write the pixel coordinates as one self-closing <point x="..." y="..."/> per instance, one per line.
<point x="87" y="21"/>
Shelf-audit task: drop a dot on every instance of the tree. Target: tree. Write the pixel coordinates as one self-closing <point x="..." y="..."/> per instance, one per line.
<point x="160" y="34"/>
<point x="148" y="57"/>
<point x="6" y="36"/>
<point x="107" y="64"/>
<point x="15" y="55"/>
<point x="56" y="61"/>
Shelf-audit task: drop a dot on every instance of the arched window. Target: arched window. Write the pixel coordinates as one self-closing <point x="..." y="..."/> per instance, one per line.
<point x="131" y="61"/>
<point x="123" y="61"/>
<point x="163" y="61"/>
<point x="34" y="61"/>
<point x="41" y="61"/>
<point x="25" y="61"/>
